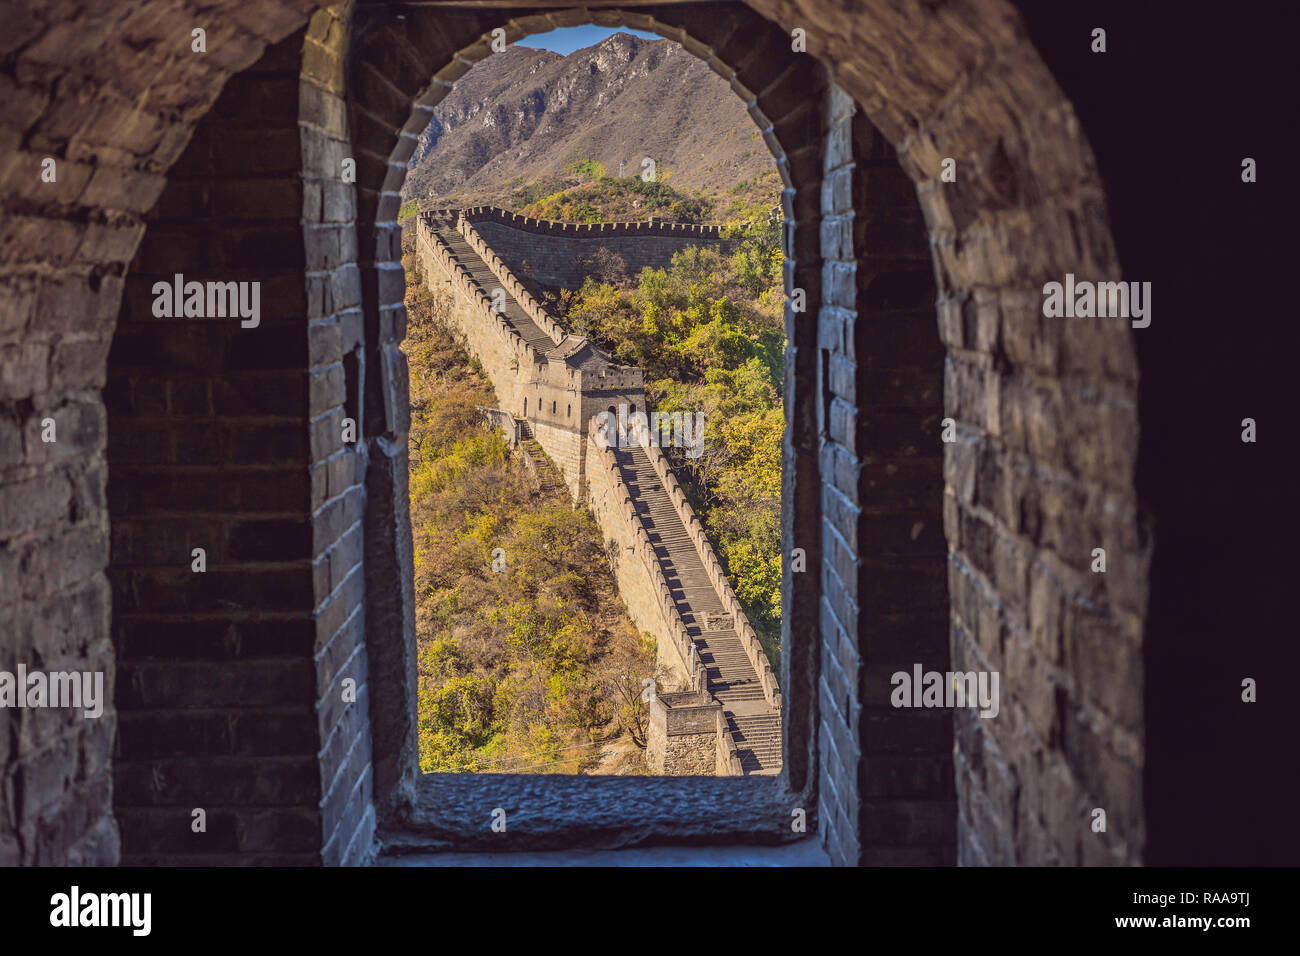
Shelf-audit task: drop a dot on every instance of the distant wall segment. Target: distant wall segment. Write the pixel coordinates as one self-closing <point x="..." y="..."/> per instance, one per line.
<point x="557" y="255"/>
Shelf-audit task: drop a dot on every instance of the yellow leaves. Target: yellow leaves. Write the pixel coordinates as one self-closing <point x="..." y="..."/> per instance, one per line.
<point x="484" y="529"/>
<point x="466" y="455"/>
<point x="513" y="666"/>
<point x="650" y="322"/>
<point x="754" y="444"/>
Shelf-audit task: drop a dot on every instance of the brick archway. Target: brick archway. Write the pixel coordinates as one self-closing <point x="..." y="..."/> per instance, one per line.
<point x="1045" y="413"/>
<point x="398" y="70"/>
<point x="987" y="269"/>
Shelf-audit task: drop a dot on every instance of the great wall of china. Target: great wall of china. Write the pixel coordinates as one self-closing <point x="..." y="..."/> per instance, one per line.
<point x="722" y="712"/>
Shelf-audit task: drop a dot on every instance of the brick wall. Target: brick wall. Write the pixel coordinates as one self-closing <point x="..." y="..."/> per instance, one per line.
<point x="1208" y="502"/>
<point x="1042" y="471"/>
<point x="1040" y="474"/>
<point x="556" y="261"/>
<point x="337" y="365"/>
<point x="233" y="692"/>
<point x="502" y="270"/>
<point x="94" y="93"/>
<point x="1030" y="398"/>
<point x="887" y="792"/>
<point x="557" y="394"/>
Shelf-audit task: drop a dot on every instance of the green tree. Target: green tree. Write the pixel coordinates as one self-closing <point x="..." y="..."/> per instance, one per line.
<point x="709" y="332"/>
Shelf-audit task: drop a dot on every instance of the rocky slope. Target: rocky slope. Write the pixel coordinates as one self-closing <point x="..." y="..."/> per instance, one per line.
<point x="524" y="117"/>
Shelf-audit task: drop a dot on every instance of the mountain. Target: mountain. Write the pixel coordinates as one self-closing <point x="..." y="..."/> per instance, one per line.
<point x="524" y="123"/>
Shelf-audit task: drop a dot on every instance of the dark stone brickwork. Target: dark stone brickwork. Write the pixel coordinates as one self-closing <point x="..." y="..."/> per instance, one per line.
<point x="103" y="99"/>
<point x="227" y="685"/>
<point x="232" y="682"/>
<point x="887" y="784"/>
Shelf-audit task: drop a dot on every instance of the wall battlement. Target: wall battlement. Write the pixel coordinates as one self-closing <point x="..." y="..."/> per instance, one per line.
<point x="559" y="255"/>
<point x="599" y="230"/>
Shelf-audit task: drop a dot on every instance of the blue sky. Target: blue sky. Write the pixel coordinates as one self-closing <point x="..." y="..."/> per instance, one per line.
<point x="567" y="40"/>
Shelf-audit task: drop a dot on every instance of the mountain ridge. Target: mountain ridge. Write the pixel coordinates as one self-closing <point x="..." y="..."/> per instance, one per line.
<point x="533" y="120"/>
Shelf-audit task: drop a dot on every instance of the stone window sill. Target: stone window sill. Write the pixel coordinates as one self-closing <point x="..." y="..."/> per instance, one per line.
<point x="599" y="820"/>
<point x="806" y="852"/>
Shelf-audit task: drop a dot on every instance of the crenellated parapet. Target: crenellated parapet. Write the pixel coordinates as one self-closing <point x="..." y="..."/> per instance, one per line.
<point x="717" y="576"/>
<point x="463" y="283"/>
<point x="512" y="284"/>
<point x="560" y="255"/>
<point x="594" y="230"/>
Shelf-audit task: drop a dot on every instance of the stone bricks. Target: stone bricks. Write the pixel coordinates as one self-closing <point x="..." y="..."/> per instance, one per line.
<point x="228" y="438"/>
<point x="862" y="340"/>
<point x="681" y="739"/>
<point x="244" y="403"/>
<point x="554" y="259"/>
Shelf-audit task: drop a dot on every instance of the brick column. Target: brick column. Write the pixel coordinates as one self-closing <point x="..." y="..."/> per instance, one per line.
<point x="228" y="439"/>
<point x="886" y="784"/>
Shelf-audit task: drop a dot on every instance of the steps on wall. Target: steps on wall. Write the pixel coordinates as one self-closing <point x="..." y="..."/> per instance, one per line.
<point x="758" y="741"/>
<point x="543" y="469"/>
<point x="514" y="313"/>
<point x="732" y="678"/>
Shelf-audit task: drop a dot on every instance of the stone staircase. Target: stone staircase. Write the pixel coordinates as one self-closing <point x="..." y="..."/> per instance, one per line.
<point x="758" y="740"/>
<point x="549" y="480"/>
<point x="732" y="679"/>
<point x="529" y="330"/>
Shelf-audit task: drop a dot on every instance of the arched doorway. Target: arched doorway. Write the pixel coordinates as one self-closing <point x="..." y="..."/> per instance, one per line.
<point x="1005" y="373"/>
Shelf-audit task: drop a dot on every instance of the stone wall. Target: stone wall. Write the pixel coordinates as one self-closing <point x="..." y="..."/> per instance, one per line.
<point x="488" y="336"/>
<point x="642" y="229"/>
<point x="565" y="448"/>
<point x="552" y="254"/>
<point x="636" y="569"/>
<point x="687" y="737"/>
<point x="884" y="574"/>
<point x="688" y="755"/>
<point x="231" y="440"/>
<point x="1043" y="470"/>
<point x="1023" y="505"/>
<point x="64" y="250"/>
<point x="351" y="669"/>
